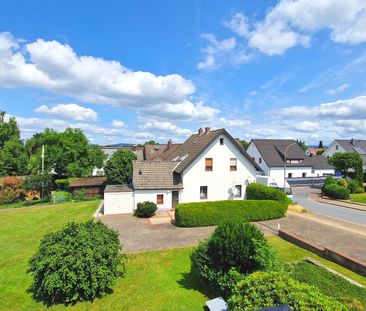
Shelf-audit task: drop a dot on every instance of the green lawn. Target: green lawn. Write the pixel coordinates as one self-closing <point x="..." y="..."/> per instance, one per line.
<point x="358" y="197"/>
<point x="154" y="280"/>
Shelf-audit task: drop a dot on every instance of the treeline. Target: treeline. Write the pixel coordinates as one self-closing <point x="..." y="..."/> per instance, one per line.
<point x="67" y="154"/>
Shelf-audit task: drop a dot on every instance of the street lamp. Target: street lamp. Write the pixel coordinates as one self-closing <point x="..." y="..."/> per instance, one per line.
<point x="284" y="171"/>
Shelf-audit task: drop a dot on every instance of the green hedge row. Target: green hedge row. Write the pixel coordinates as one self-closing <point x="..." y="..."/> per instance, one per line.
<point x="200" y="214"/>
<point x="262" y="192"/>
<point x="336" y="191"/>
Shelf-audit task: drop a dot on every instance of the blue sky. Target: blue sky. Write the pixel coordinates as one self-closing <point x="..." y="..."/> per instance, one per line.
<point x="130" y="71"/>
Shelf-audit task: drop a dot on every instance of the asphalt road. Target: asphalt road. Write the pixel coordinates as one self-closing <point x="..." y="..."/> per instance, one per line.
<point x="347" y="214"/>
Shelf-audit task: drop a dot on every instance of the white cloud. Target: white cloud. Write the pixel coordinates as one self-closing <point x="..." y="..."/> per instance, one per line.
<point x="214" y="49"/>
<point x="55" y="67"/>
<point x="291" y="23"/>
<point x="69" y="111"/>
<point x="338" y="89"/>
<point x="353" y="108"/>
<point x="306" y="126"/>
<point x="238" y="24"/>
<point x="118" y="124"/>
<point x="223" y="122"/>
<point x="166" y="127"/>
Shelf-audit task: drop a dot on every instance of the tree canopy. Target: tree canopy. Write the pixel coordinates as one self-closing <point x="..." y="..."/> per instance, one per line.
<point x="118" y="168"/>
<point x="348" y="163"/>
<point x="67" y="153"/>
<point x="302" y="144"/>
<point x="13" y="158"/>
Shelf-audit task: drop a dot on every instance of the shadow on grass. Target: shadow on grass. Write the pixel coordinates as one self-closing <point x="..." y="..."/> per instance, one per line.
<point x="52" y="300"/>
<point x="192" y="281"/>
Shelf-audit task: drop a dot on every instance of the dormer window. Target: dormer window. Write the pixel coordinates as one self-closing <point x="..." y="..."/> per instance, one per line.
<point x="221" y="141"/>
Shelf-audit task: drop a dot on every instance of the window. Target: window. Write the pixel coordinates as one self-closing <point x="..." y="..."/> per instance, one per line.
<point x="233" y="164"/>
<point x="260" y="160"/>
<point x="289" y="175"/>
<point x="160" y="199"/>
<point x="238" y="187"/>
<point x="303" y="175"/>
<point x="221" y="141"/>
<point x="337" y="147"/>
<point x="208" y="164"/>
<point x="203" y="192"/>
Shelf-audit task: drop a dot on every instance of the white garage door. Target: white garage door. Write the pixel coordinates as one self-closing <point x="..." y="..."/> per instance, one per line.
<point x="118" y="203"/>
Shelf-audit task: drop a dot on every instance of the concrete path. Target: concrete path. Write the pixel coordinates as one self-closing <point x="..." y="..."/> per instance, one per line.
<point x="138" y="234"/>
<point x="341" y="213"/>
<point x="324" y="231"/>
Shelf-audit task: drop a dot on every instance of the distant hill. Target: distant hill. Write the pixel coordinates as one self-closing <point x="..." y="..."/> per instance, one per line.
<point x="120" y="145"/>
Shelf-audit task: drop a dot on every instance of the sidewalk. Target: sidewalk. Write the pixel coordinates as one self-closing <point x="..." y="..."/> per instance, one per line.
<point x="343" y="203"/>
<point x="324" y="231"/>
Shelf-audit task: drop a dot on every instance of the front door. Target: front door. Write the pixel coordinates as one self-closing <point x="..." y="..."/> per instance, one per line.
<point x="175" y="198"/>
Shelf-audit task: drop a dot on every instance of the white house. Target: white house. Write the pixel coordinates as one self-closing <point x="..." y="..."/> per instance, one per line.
<point x="352" y="145"/>
<point x="208" y="166"/>
<point x="269" y="154"/>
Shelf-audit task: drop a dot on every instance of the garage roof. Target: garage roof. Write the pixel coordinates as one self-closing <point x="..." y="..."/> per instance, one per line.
<point x="117" y="188"/>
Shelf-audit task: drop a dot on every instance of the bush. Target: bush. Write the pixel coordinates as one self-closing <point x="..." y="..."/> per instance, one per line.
<point x="234" y="246"/>
<point x="81" y="195"/>
<point x="11" y="190"/>
<point x="354" y="187"/>
<point x="342" y="182"/>
<point x="145" y="209"/>
<point x="77" y="263"/>
<point x="336" y="192"/>
<point x="263" y="289"/>
<point x="328" y="181"/>
<point x="61" y="196"/>
<point x="262" y="192"/>
<point x="200" y="214"/>
<point x="39" y="183"/>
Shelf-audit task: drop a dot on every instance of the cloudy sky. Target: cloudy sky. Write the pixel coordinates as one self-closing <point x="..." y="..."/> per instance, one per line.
<point x="141" y="70"/>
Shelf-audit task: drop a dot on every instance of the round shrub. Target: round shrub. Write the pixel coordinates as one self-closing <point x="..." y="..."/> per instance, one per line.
<point x="265" y="289"/>
<point x="261" y="192"/>
<point x="77" y="263"/>
<point x="145" y="209"/>
<point x="354" y="187"/>
<point x="342" y="182"/>
<point x="336" y="192"/>
<point x="328" y="181"/>
<point x="233" y="245"/>
<point x="11" y="190"/>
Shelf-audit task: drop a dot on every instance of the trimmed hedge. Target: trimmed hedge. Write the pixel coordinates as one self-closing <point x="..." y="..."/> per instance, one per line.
<point x="261" y="192"/>
<point x="336" y="191"/>
<point x="200" y="214"/>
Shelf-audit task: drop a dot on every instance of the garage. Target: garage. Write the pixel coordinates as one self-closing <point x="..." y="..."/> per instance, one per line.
<point x="118" y="199"/>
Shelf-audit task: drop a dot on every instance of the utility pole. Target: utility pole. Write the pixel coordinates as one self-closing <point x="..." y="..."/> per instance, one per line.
<point x="42" y="170"/>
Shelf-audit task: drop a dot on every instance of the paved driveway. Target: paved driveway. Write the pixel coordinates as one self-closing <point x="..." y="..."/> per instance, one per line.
<point x="342" y="213"/>
<point x="137" y="234"/>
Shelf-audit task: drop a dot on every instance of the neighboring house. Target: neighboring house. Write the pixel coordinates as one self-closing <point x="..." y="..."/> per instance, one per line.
<point x="342" y="145"/>
<point x="208" y="166"/>
<point x="269" y="154"/>
<point x="93" y="186"/>
<point x="109" y="150"/>
<point x="314" y="151"/>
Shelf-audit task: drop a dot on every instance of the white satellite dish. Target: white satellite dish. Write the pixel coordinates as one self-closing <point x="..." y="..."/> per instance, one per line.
<point x="234" y="190"/>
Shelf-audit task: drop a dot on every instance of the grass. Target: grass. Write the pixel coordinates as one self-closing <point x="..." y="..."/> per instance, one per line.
<point x="290" y="253"/>
<point x="358" y="197"/>
<point x="158" y="280"/>
<point x="330" y="284"/>
<point x="153" y="281"/>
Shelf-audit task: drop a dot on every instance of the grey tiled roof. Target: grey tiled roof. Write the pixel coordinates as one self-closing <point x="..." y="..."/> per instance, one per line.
<point x="196" y="144"/>
<point x="117" y="188"/>
<point x="358" y="146"/>
<point x="161" y="151"/>
<point x="273" y="154"/>
<point x="155" y="175"/>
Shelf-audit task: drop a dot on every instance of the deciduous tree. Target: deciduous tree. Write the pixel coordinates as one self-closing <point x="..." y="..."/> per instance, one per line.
<point x="118" y="168"/>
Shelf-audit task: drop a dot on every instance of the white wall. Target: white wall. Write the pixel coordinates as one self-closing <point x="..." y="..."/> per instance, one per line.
<point x="151" y="195"/>
<point x="277" y="172"/>
<point x="220" y="180"/>
<point x="254" y="153"/>
<point x="118" y="202"/>
<point x="332" y="149"/>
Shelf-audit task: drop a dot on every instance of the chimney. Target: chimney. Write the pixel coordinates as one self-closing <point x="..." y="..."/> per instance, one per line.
<point x="200" y="131"/>
<point x="170" y="144"/>
<point x="207" y="130"/>
<point x="352" y="142"/>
